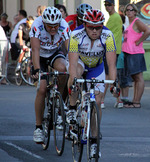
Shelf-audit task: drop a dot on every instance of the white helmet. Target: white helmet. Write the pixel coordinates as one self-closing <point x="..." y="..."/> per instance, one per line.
<point x="51" y="15"/>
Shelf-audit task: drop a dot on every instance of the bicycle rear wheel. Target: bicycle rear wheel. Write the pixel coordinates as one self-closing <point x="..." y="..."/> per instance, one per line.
<point x="59" y="123"/>
<point x="26" y="71"/>
<point x="18" y="78"/>
<point x="94" y="132"/>
<point x="47" y="123"/>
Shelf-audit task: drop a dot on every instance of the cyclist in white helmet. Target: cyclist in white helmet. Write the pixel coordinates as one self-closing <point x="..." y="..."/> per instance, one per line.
<point x="89" y="43"/>
<point x="47" y="34"/>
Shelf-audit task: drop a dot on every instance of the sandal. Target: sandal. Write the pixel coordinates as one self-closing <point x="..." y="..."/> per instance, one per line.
<point x="136" y="105"/>
<point x="129" y="105"/>
<point x="132" y="105"/>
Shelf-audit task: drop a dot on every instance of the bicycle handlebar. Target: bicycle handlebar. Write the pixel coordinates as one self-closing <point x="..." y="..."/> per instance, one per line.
<point x="54" y="73"/>
<point x="93" y="81"/>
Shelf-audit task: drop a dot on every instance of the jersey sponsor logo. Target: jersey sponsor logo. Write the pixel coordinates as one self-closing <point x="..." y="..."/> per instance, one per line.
<point x="99" y="45"/>
<point x="78" y="35"/>
<point x="35" y="29"/>
<point x="70" y="22"/>
<point x="61" y="28"/>
<point x="41" y="27"/>
<point x="100" y="54"/>
<point x="86" y="44"/>
<point x="105" y="35"/>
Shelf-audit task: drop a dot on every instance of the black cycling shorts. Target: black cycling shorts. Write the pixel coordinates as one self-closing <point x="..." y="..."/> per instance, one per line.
<point x="45" y="62"/>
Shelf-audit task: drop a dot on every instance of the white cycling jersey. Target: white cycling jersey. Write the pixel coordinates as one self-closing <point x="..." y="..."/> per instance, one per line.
<point x="47" y="47"/>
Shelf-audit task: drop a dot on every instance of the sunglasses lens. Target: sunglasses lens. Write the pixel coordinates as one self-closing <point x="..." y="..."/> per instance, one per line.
<point x="94" y="27"/>
<point x="52" y="26"/>
<point x="108" y="5"/>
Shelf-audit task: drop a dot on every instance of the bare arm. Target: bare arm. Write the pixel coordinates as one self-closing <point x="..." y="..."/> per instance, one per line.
<point x="142" y="28"/>
<point x="66" y="44"/>
<point x="73" y="62"/>
<point x="111" y="61"/>
<point x="20" y="34"/>
<point x="35" y="45"/>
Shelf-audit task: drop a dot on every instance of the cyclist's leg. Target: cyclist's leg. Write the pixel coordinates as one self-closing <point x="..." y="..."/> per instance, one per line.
<point x="71" y="114"/>
<point x="40" y="104"/>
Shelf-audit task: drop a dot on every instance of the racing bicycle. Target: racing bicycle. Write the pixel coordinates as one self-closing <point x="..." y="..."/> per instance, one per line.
<point x="87" y="116"/>
<point x="54" y="117"/>
<point x="25" y="71"/>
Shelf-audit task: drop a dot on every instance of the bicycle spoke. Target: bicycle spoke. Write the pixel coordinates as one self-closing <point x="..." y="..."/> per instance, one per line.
<point x="59" y="123"/>
<point x="94" y="133"/>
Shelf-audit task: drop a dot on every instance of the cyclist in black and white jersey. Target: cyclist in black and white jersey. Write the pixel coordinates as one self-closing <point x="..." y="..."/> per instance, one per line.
<point x="47" y="34"/>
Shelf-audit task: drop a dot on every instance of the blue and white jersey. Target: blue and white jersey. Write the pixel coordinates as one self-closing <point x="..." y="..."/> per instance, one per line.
<point x="91" y="56"/>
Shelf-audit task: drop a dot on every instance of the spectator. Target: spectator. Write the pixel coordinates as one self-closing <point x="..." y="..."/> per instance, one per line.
<point x="6" y="25"/>
<point x="121" y="12"/>
<point x="62" y="9"/>
<point x="40" y="10"/>
<point x="4" y="47"/>
<point x="15" y="47"/>
<point x="16" y="20"/>
<point x="76" y="19"/>
<point x="133" y="50"/>
<point x="114" y="24"/>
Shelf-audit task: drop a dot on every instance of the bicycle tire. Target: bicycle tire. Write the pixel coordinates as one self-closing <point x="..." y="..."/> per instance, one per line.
<point x="47" y="122"/>
<point x="77" y="147"/>
<point x="59" y="129"/>
<point x="94" y="110"/>
<point x="26" y="71"/>
<point x="18" y="78"/>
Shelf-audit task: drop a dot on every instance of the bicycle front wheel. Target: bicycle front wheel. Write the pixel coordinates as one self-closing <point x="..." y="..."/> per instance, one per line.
<point x="59" y="123"/>
<point x="26" y="71"/>
<point x="47" y="122"/>
<point x="94" y="132"/>
<point x="18" y="78"/>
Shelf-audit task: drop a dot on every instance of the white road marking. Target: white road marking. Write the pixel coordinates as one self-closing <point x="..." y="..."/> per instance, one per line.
<point x="23" y="150"/>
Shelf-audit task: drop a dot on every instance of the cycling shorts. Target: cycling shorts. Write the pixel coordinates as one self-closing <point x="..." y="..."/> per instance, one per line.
<point x="45" y="62"/>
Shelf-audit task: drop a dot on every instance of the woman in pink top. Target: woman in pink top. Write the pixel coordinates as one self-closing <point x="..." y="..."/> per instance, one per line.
<point x="134" y="35"/>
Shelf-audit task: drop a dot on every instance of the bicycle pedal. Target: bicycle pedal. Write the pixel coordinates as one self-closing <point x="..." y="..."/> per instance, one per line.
<point x="41" y="143"/>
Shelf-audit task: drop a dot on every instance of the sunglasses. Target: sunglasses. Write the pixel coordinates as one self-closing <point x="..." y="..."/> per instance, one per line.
<point x="52" y="26"/>
<point x="129" y="9"/>
<point x="109" y="4"/>
<point x="94" y="27"/>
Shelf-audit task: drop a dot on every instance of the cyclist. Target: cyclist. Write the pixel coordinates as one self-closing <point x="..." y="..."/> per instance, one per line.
<point x="87" y="47"/>
<point x="47" y="35"/>
<point x="75" y="20"/>
<point x="24" y="39"/>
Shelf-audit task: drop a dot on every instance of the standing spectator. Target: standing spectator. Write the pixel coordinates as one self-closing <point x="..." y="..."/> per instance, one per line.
<point x="6" y="25"/>
<point x="40" y="10"/>
<point x="76" y="19"/>
<point x="133" y="49"/>
<point x="16" y="20"/>
<point x="4" y="47"/>
<point x="15" y="47"/>
<point x="62" y="9"/>
<point x="114" y="24"/>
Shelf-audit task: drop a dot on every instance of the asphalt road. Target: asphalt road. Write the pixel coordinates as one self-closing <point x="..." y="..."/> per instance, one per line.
<point x="126" y="132"/>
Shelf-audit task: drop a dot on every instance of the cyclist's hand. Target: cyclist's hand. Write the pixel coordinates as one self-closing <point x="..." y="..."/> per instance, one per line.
<point x="72" y="89"/>
<point x="35" y="74"/>
<point x="115" y="91"/>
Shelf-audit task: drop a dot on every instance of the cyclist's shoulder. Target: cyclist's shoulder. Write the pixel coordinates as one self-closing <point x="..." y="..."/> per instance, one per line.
<point x="79" y="32"/>
<point x="37" y="22"/>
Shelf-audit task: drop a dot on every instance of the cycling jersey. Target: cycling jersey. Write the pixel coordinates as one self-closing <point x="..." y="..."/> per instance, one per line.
<point x="72" y="21"/>
<point x="81" y="43"/>
<point x="47" y="46"/>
